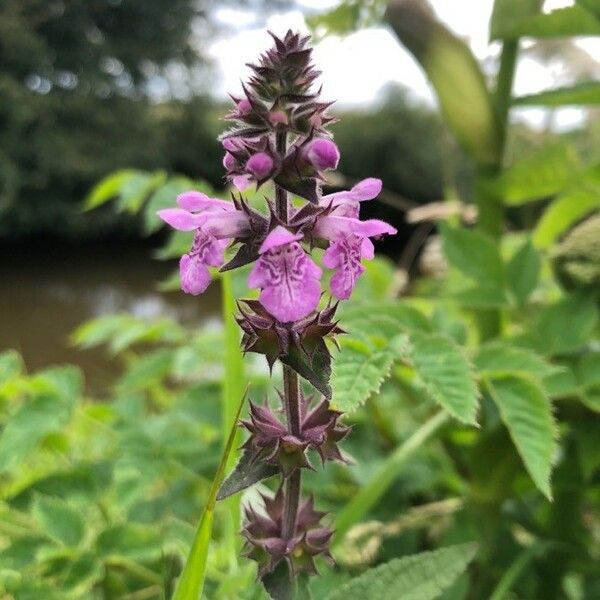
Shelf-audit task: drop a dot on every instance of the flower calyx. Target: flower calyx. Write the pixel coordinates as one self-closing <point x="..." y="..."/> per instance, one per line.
<point x="267" y="546"/>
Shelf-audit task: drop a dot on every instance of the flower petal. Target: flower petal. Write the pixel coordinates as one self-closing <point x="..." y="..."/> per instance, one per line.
<point x="179" y="219"/>
<point x="289" y="280"/>
<point x="223" y="224"/>
<point x="279" y="237"/>
<point x="194" y="275"/>
<point x="197" y="201"/>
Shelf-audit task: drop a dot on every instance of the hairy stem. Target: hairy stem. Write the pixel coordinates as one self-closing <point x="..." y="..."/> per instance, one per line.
<point x="281" y="196"/>
<point x="291" y="391"/>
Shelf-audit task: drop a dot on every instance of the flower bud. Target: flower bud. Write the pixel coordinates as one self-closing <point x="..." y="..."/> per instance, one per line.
<point x="260" y="165"/>
<point x="229" y="161"/>
<point x="244" y="107"/>
<point x="322" y="154"/>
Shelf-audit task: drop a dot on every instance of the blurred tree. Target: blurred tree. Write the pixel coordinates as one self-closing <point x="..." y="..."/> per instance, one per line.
<point x="77" y="81"/>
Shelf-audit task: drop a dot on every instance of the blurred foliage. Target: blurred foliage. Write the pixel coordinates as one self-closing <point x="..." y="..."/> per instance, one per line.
<point x="100" y="499"/>
<point x="79" y="83"/>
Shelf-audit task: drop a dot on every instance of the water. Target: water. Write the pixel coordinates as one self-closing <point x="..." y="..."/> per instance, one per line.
<point x="46" y="292"/>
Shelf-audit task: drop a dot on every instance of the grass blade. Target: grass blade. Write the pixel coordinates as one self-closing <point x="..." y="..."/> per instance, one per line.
<point x="191" y="582"/>
<point x="371" y="492"/>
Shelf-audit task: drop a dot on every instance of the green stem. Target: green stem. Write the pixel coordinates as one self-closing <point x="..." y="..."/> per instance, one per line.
<point x="368" y="495"/>
<point x="233" y="389"/>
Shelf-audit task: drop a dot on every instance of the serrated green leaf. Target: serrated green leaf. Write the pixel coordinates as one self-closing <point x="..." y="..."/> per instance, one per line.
<point x="58" y="520"/>
<point x="586" y="93"/>
<point x="544" y="173"/>
<point x="476" y="256"/>
<point x="419" y="577"/>
<point x="498" y="359"/>
<point x="376" y="337"/>
<point x="579" y="200"/>
<point x="527" y="413"/>
<point x="446" y="374"/>
<point x="108" y="188"/>
<point x="523" y="272"/>
<point x="358" y="372"/>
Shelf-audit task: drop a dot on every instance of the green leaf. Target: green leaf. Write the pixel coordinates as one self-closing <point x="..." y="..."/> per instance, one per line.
<point x="83" y="574"/>
<point x="136" y="189"/>
<point x="315" y="367"/>
<point x="464" y="100"/>
<point x="446" y="374"/>
<point x="562" y="22"/>
<point x="358" y="372"/>
<point x="147" y="370"/>
<point x="542" y="174"/>
<point x="566" y="326"/>
<point x="580" y="199"/>
<point x="418" y="577"/>
<point x="282" y="585"/>
<point x="129" y="540"/>
<point x="476" y="256"/>
<point x="341" y="19"/>
<point x="58" y="520"/>
<point x="498" y="359"/>
<point x="527" y="414"/>
<point x="508" y="14"/>
<point x="191" y="582"/>
<point x="584" y="93"/>
<point x="523" y="272"/>
<point x="247" y="472"/>
<point x="24" y="431"/>
<point x="108" y="188"/>
<point x="376" y="337"/>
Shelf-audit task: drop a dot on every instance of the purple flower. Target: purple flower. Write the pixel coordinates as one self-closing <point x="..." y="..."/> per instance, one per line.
<point x="287" y="277"/>
<point x="260" y="165"/>
<point x="243" y="107"/>
<point x="349" y="236"/>
<point x="347" y="203"/>
<point x="214" y="222"/>
<point x="322" y="154"/>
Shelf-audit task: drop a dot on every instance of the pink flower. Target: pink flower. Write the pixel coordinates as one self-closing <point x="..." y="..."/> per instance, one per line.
<point x="215" y="222"/>
<point x="243" y="107"/>
<point x="347" y="203"/>
<point x="287" y="277"/>
<point x="349" y="236"/>
<point x="260" y="165"/>
<point x="322" y="154"/>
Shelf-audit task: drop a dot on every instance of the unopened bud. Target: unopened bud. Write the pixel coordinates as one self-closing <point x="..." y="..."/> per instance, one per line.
<point x="244" y="107"/>
<point x="323" y="154"/>
<point x="260" y="165"/>
<point x="229" y="161"/>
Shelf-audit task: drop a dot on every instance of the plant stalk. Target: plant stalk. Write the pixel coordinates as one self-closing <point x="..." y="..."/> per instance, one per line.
<point x="291" y="390"/>
<point x="291" y="397"/>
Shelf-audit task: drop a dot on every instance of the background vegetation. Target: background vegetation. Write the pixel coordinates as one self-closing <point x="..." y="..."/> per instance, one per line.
<point x="474" y="389"/>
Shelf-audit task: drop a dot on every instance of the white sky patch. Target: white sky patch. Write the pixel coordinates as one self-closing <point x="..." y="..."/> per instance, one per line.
<point x="359" y="66"/>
